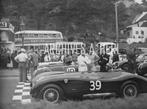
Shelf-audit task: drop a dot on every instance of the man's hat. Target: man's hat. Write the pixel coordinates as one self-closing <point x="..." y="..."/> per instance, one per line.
<point x="23" y="50"/>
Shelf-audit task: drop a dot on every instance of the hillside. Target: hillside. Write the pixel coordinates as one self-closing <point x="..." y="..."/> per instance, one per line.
<point x="74" y="18"/>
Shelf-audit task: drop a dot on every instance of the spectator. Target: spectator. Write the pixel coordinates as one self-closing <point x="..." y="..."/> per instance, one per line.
<point x="83" y="62"/>
<point x="74" y="57"/>
<point x="42" y="56"/>
<point x="131" y="57"/>
<point x="9" y="62"/>
<point x="22" y="60"/>
<point x="104" y="59"/>
<point x="68" y="59"/>
<point x="13" y="55"/>
<point x="33" y="60"/>
<point x="115" y="57"/>
<point x="47" y="57"/>
<point x="62" y="57"/>
<point x="94" y="58"/>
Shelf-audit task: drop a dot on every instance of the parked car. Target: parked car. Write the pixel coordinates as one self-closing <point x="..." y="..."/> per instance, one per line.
<point x="125" y="65"/>
<point x="59" y="86"/>
<point x="70" y="68"/>
<point x="48" y="64"/>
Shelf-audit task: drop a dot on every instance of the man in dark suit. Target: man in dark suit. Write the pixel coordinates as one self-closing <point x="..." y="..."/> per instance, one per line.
<point x="104" y="59"/>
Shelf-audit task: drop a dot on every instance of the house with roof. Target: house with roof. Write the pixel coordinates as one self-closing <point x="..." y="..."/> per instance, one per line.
<point x="137" y="32"/>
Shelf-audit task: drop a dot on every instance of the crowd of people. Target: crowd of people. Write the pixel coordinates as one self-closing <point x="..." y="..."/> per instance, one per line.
<point x="27" y="61"/>
<point x="90" y="61"/>
<point x="7" y="58"/>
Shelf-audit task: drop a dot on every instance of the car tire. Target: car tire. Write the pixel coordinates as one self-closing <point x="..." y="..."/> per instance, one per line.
<point x="129" y="90"/>
<point x="52" y="93"/>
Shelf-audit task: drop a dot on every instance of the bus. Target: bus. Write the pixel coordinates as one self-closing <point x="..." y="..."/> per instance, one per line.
<point x="36" y="38"/>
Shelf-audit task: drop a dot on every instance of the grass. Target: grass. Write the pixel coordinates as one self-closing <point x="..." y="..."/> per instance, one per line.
<point x="113" y="103"/>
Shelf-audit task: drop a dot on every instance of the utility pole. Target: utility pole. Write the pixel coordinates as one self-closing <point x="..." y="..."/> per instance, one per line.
<point x="21" y="29"/>
<point x="116" y="23"/>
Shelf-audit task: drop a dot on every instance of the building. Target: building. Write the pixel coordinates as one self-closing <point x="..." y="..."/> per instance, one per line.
<point x="6" y="34"/>
<point x="137" y="32"/>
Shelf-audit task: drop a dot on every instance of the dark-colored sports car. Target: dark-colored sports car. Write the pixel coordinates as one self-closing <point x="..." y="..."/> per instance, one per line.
<point x="50" y="64"/>
<point x="58" y="86"/>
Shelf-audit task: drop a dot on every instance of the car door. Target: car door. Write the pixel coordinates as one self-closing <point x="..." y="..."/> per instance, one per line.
<point x="86" y="83"/>
<point x="100" y="82"/>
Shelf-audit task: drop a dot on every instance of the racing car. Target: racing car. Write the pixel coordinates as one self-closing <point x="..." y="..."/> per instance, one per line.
<point x="58" y="86"/>
<point x="141" y="65"/>
<point x="49" y="64"/>
<point x="70" y="68"/>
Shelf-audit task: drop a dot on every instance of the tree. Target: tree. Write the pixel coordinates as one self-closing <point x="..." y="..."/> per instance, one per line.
<point x="1" y="10"/>
<point x="71" y="17"/>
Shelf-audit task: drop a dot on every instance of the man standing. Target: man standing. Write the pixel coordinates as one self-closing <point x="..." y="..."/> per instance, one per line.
<point x="104" y="59"/>
<point x="83" y="61"/>
<point x="22" y="59"/>
<point x="33" y="58"/>
<point x="94" y="58"/>
<point x="115" y="57"/>
<point x="13" y="55"/>
<point x="74" y="57"/>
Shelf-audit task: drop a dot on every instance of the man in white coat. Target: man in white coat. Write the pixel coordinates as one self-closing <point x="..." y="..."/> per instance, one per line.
<point x="83" y="61"/>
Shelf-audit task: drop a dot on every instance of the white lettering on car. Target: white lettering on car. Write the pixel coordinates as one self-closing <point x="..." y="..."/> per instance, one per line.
<point x="95" y="85"/>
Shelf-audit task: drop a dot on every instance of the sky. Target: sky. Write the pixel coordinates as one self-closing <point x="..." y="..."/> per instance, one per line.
<point x="139" y="1"/>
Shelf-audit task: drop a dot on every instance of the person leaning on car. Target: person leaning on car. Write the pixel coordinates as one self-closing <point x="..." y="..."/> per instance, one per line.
<point x="33" y="58"/>
<point x="131" y="57"/>
<point x="22" y="59"/>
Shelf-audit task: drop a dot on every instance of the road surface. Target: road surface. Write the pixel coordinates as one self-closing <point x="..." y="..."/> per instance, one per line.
<point x="8" y="82"/>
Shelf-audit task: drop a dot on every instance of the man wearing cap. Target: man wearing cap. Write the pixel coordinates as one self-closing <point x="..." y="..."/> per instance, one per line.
<point x="22" y="59"/>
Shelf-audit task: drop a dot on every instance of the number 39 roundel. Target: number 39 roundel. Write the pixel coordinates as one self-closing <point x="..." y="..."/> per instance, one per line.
<point x="95" y="85"/>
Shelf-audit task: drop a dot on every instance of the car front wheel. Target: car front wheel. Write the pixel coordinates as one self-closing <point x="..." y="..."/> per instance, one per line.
<point x="130" y="91"/>
<point x="52" y="93"/>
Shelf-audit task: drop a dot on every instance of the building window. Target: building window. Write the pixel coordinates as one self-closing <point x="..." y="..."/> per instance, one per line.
<point x="139" y="37"/>
<point x="136" y="32"/>
<point x="128" y="33"/>
<point x="142" y="32"/>
<point x="134" y="37"/>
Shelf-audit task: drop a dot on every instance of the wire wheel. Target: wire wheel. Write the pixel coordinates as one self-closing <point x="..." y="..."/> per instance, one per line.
<point x="130" y="91"/>
<point x="52" y="95"/>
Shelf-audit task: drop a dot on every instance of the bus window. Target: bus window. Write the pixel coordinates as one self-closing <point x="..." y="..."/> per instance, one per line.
<point x="69" y="46"/>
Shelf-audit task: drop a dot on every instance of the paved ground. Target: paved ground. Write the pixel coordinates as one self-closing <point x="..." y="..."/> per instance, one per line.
<point x="8" y="82"/>
<point x="11" y="90"/>
<point x="22" y="93"/>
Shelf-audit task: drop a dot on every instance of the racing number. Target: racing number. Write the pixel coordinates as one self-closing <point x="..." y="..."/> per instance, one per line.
<point x="70" y="69"/>
<point x="95" y="85"/>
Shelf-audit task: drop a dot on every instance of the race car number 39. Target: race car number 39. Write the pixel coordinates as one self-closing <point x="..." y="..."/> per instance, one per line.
<point x="95" y="85"/>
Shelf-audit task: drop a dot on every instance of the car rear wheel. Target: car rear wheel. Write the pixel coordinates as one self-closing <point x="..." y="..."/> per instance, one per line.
<point x="129" y="90"/>
<point x="52" y="93"/>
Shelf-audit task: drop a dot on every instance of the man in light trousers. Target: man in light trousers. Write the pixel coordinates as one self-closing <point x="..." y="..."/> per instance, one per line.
<point x="22" y="59"/>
